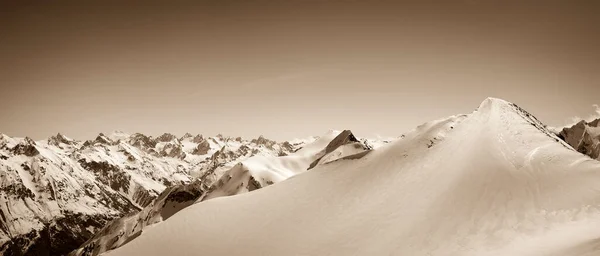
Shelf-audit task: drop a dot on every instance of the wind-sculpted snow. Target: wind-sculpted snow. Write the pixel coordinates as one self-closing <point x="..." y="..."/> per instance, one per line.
<point x="55" y="194"/>
<point x="493" y="182"/>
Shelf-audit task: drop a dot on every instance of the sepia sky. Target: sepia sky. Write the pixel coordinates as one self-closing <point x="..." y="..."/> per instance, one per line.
<point x="289" y="69"/>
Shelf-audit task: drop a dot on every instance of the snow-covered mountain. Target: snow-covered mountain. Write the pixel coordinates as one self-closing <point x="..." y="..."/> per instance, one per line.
<point x="57" y="193"/>
<point x="493" y="182"/>
<point x="253" y="173"/>
<point x="584" y="136"/>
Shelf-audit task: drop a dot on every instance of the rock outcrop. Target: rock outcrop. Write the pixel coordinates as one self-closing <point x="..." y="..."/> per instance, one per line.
<point x="584" y="137"/>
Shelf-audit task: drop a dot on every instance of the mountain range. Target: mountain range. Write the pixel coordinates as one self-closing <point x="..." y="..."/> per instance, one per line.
<point x="493" y="182"/>
<point x="332" y="194"/>
<point x="250" y="174"/>
<point x="56" y="193"/>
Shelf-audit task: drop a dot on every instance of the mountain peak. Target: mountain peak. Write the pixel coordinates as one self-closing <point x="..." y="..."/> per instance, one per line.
<point x="343" y="137"/>
<point x="59" y="138"/>
<point x="583" y="137"/>
<point x="186" y="135"/>
<point x="491" y="102"/>
<point x="29" y="141"/>
<point x="101" y="138"/>
<point x="198" y="139"/>
<point x="166" y="137"/>
<point x="261" y="140"/>
<point x="63" y="137"/>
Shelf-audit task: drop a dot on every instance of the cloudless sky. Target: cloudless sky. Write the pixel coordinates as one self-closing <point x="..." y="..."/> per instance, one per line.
<point x="287" y="69"/>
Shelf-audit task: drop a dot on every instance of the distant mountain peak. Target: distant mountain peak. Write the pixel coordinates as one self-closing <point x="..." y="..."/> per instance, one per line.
<point x="166" y="137"/>
<point x="261" y="140"/>
<point x="30" y="141"/>
<point x="198" y="138"/>
<point x="186" y="136"/>
<point x="57" y="139"/>
<point x="101" y="138"/>
<point x="584" y="137"/>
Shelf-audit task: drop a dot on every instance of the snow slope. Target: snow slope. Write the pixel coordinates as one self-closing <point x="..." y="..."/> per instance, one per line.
<point x="494" y="182"/>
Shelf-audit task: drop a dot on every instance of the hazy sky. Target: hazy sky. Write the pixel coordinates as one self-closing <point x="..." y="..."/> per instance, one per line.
<point x="289" y="69"/>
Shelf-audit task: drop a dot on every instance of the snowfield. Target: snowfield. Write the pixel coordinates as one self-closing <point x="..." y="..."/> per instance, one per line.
<point x="493" y="182"/>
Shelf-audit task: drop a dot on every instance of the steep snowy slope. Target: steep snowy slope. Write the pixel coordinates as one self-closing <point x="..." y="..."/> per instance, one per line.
<point x="494" y="182"/>
<point x="56" y="193"/>
<point x="584" y="136"/>
<point x="251" y="174"/>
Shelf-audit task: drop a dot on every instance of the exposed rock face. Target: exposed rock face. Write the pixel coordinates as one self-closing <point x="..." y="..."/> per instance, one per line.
<point x="26" y="147"/>
<point x="286" y="146"/>
<point x="264" y="141"/>
<point x="367" y="143"/>
<point x="142" y="141"/>
<point x="60" y="139"/>
<point x="584" y="137"/>
<point x="173" y="150"/>
<point x="53" y="204"/>
<point x="344" y="138"/>
<point x="57" y="236"/>
<point x="166" y="137"/>
<point x="220" y="157"/>
<point x="187" y="135"/>
<point x="202" y="148"/>
<point x="102" y="139"/>
<point x="198" y="139"/>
